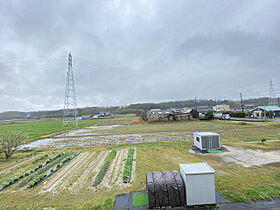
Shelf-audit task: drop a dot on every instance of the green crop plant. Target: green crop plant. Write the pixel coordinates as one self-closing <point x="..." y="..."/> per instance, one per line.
<point x="53" y="161"/>
<point x="104" y="167"/>
<point x="128" y="163"/>
<point x="36" y="180"/>
<point x="40" y="158"/>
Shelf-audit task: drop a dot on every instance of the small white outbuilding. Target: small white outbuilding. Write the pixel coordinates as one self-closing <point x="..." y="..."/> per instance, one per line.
<point x="206" y="140"/>
<point x="199" y="183"/>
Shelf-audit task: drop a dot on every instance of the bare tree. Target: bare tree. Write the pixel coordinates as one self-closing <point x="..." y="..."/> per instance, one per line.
<point x="10" y="141"/>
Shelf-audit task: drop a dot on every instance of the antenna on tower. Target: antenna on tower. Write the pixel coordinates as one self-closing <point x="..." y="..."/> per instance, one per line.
<point x="70" y="113"/>
<point x="272" y="100"/>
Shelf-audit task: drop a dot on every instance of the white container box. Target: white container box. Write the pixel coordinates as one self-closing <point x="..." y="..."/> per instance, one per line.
<point x="199" y="183"/>
<point x="206" y="140"/>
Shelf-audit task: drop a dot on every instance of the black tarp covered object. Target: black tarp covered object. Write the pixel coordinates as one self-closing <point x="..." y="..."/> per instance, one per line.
<point x="165" y="189"/>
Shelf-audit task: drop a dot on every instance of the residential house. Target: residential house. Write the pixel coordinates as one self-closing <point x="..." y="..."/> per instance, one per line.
<point x="261" y="111"/>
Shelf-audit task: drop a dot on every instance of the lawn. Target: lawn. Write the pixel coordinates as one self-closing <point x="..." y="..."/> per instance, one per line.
<point x="38" y="129"/>
<point x="140" y="200"/>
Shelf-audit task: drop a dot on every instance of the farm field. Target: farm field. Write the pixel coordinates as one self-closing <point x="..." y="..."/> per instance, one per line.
<point x="38" y="129"/>
<point x="249" y="171"/>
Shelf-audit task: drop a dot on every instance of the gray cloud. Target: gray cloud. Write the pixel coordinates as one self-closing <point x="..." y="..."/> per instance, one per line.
<point x="136" y="51"/>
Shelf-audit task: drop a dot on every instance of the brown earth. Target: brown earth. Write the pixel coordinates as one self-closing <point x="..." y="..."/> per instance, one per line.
<point x="137" y="121"/>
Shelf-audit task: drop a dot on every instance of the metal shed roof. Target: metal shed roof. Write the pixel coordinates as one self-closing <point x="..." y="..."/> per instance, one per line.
<point x="196" y="168"/>
<point x="206" y="134"/>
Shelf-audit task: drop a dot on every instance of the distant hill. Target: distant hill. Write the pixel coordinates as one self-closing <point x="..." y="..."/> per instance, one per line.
<point x="132" y="109"/>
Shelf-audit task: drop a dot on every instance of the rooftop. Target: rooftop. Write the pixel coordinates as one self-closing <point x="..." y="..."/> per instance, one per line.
<point x="206" y="134"/>
<point x="196" y="168"/>
<point x="269" y="108"/>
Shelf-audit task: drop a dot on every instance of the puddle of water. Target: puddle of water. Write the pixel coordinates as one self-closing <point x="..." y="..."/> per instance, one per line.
<point x="87" y="130"/>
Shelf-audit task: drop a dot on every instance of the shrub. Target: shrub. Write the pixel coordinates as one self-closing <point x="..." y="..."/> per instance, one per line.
<point x="209" y="115"/>
<point x="238" y="114"/>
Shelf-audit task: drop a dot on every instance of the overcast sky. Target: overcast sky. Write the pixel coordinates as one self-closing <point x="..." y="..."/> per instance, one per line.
<point x="136" y="51"/>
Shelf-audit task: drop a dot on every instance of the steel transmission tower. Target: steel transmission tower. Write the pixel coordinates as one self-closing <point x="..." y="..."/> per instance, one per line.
<point x="70" y="114"/>
<point x="272" y="100"/>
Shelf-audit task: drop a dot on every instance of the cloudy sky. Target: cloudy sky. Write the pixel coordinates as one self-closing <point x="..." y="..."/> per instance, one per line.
<point x="136" y="51"/>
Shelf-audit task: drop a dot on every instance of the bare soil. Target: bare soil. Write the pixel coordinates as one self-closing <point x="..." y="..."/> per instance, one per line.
<point x="90" y="169"/>
<point x="75" y="173"/>
<point x="115" y="171"/>
<point x="49" y="185"/>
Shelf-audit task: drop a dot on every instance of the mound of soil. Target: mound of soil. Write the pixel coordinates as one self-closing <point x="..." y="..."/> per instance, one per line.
<point x="137" y="121"/>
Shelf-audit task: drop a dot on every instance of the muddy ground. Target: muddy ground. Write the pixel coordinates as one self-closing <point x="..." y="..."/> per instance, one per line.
<point x="88" y="136"/>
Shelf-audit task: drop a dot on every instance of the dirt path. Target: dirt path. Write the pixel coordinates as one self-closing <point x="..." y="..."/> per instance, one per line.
<point x="16" y="165"/>
<point x="51" y="184"/>
<point x="91" y="168"/>
<point x="114" y="170"/>
<point x="118" y="175"/>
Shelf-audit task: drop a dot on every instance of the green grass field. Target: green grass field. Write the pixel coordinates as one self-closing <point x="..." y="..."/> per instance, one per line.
<point x="235" y="182"/>
<point x="38" y="129"/>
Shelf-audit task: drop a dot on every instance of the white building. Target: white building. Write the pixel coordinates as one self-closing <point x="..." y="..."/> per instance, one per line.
<point x="221" y="107"/>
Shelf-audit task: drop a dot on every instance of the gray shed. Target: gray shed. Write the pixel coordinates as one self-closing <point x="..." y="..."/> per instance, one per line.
<point x="199" y="183"/>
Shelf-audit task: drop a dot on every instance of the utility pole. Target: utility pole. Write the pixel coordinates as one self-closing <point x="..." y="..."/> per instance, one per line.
<point x="241" y="100"/>
<point x="272" y="100"/>
<point x="216" y="104"/>
<point x="195" y="103"/>
<point x="70" y="113"/>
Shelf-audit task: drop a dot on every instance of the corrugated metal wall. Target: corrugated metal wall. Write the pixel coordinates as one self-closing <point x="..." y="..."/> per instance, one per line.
<point x="210" y="142"/>
<point x="200" y="189"/>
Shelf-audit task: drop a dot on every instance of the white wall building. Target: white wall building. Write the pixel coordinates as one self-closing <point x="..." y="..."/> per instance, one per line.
<point x="221" y="107"/>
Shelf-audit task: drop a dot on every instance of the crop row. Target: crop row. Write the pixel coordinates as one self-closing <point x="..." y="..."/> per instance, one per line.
<point x="128" y="165"/>
<point x="17" y="178"/>
<point x="47" y="165"/>
<point x="40" y="158"/>
<point x="40" y="178"/>
<point x="104" y="167"/>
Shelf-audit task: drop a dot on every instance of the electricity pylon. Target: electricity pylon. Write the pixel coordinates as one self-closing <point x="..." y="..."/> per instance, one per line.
<point x="70" y="113"/>
<point x="272" y="100"/>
